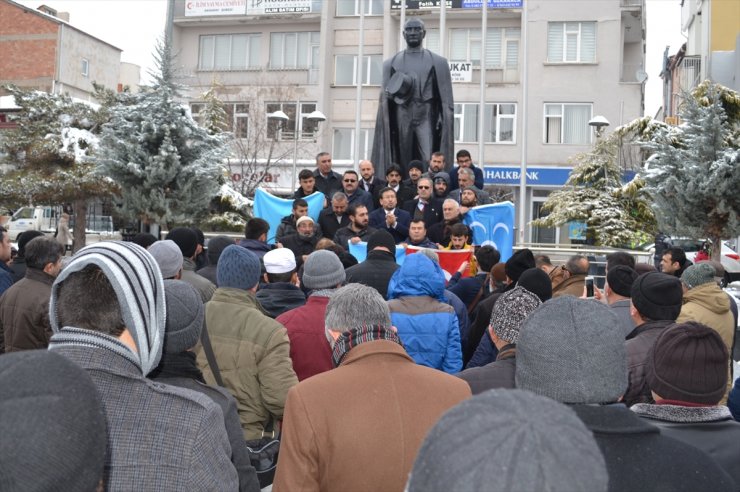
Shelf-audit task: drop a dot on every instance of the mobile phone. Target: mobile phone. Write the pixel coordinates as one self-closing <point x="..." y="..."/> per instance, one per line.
<point x="589" y="286"/>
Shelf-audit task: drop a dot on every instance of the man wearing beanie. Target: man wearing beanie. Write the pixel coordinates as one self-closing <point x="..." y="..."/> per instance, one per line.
<point x="687" y="373"/>
<point x="160" y="437"/>
<point x="252" y="350"/>
<point x="523" y="442"/>
<point x="359" y="426"/>
<point x="358" y="228"/>
<point x="216" y="246"/>
<point x="426" y="324"/>
<point x="169" y="258"/>
<point x="510" y="311"/>
<point x="19" y="262"/>
<point x="656" y="303"/>
<point x="303" y="242"/>
<point x="576" y="269"/>
<point x="185" y="319"/>
<point x="516" y="265"/>
<point x="309" y="348"/>
<point x="187" y="240"/>
<point x="618" y="289"/>
<point x="572" y="350"/>
<point x="280" y="292"/>
<point x="379" y="266"/>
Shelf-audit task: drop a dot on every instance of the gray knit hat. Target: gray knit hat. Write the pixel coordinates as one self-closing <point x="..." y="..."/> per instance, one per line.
<point x="238" y="268"/>
<point x="185" y="315"/>
<point x="699" y="274"/>
<point x="572" y="350"/>
<point x="503" y="440"/>
<point x="168" y="256"/>
<point x="135" y="277"/>
<point x="323" y="270"/>
<point x="52" y="426"/>
<point x="510" y="311"/>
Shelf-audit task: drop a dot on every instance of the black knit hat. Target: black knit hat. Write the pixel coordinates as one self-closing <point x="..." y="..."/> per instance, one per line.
<point x="416" y="164"/>
<point x="620" y="279"/>
<point x="537" y="282"/>
<point x="186" y="239"/>
<point x="657" y="296"/>
<point x="519" y="261"/>
<point x="688" y="362"/>
<point x="216" y="246"/>
<point x="381" y="238"/>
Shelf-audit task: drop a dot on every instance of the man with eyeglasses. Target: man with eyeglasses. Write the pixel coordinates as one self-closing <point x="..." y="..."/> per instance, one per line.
<point x="391" y="218"/>
<point x="424" y="207"/>
<point x="351" y="188"/>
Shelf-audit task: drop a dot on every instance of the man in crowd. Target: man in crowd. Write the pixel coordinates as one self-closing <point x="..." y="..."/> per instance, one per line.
<point x="307" y="184"/>
<point x="390" y="398"/>
<point x="252" y="350"/>
<point x="618" y="289"/>
<point x="358" y="228"/>
<point x="468" y="199"/>
<point x="369" y="182"/>
<point x="333" y="218"/>
<point x="355" y="194"/>
<point x="393" y="178"/>
<point x="465" y="181"/>
<point x="310" y="351"/>
<point x="414" y="169"/>
<point x="280" y="292"/>
<point x="160" y="437"/>
<point x="674" y="262"/>
<point x="441" y="185"/>
<point x="187" y="240"/>
<point x="303" y="242"/>
<point x="424" y="207"/>
<point x="656" y="303"/>
<point x="440" y="232"/>
<point x="572" y="350"/>
<point x="379" y="265"/>
<point x="288" y="224"/>
<point x="6" y="274"/>
<point x="327" y="181"/>
<point x="19" y="262"/>
<point x="389" y="217"/>
<point x="436" y="164"/>
<point x="216" y="246"/>
<point x="577" y="268"/>
<point x="255" y="236"/>
<point x="24" y="308"/>
<point x="465" y="161"/>
<point x="418" y="235"/>
<point x="168" y="257"/>
<point x="473" y="289"/>
<point x="557" y="274"/>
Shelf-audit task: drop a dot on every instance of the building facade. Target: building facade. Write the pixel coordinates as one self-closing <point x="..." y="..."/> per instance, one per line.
<point x="548" y="67"/>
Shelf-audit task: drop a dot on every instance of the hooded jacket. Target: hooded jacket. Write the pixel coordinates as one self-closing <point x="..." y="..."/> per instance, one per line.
<point x="426" y="324"/>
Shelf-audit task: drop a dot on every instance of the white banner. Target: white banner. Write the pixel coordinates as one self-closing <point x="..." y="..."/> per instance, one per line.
<point x="461" y="71"/>
<point x="199" y="8"/>
<point x="269" y="7"/>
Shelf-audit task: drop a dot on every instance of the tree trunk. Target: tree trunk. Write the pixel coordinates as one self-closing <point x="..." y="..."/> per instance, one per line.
<point x="80" y="209"/>
<point x="716" y="252"/>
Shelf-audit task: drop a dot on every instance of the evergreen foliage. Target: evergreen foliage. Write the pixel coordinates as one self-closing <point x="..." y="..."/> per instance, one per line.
<point x="213" y="115"/>
<point x="168" y="167"/>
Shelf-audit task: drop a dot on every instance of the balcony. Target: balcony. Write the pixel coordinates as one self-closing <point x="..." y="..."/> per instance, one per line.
<point x="688" y="74"/>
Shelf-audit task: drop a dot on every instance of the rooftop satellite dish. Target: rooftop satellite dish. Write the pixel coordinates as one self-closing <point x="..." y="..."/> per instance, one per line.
<point x="641" y="75"/>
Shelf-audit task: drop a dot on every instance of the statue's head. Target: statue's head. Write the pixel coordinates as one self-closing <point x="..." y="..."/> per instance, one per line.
<point x="414" y="32"/>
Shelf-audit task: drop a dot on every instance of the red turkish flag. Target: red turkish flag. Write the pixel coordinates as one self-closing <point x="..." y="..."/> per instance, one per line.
<point x="449" y="259"/>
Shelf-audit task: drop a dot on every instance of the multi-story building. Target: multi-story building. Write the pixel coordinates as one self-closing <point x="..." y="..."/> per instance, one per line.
<point x="711" y="51"/>
<point x="548" y="67"/>
<point x="40" y="49"/>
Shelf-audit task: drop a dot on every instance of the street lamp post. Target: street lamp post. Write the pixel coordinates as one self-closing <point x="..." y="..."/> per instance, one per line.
<point x="599" y="123"/>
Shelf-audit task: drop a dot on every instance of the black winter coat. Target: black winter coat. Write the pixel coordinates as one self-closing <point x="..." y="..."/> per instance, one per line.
<point x="376" y="271"/>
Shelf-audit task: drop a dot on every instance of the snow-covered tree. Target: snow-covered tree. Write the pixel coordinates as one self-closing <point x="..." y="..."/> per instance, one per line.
<point x="168" y="167"/>
<point x="213" y="116"/>
<point x="693" y="172"/>
<point x="50" y="155"/>
<point x="615" y="214"/>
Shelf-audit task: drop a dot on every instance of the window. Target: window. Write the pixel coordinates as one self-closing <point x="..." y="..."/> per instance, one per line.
<point x="85" y="67"/>
<point x="306" y="128"/>
<point x="499" y="122"/>
<point x="502" y="46"/>
<point x="346" y="70"/>
<point x="237" y="117"/>
<point x="567" y="123"/>
<point x="571" y="42"/>
<point x="352" y="7"/>
<point x="431" y="41"/>
<point x="344" y="143"/>
<point x="229" y="52"/>
<point x="294" y="50"/>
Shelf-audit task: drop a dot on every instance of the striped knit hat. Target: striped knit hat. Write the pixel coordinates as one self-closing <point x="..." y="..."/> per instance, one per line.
<point x="137" y="281"/>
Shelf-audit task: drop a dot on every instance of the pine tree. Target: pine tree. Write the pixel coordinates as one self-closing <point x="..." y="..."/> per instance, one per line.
<point x="615" y="214"/>
<point x="50" y="152"/>
<point x="693" y="174"/>
<point x="168" y="167"/>
<point x="213" y="115"/>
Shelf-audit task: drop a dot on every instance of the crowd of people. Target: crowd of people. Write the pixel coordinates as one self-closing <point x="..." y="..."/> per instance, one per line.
<point x="160" y="364"/>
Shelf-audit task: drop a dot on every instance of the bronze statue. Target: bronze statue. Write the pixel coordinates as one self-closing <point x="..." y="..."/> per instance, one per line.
<point x="416" y="110"/>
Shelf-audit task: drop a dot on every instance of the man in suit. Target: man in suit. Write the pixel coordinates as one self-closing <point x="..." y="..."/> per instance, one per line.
<point x="424" y="207"/>
<point x="390" y="399"/>
<point x="369" y="182"/>
<point x="334" y="218"/>
<point x="393" y="178"/>
<point x="389" y="217"/>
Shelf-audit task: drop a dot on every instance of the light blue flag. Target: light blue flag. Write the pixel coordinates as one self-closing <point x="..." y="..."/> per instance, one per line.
<point x="272" y="209"/>
<point x="359" y="251"/>
<point x="494" y="225"/>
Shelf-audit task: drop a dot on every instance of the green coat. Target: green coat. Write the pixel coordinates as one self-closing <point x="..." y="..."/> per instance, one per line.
<point x="253" y="355"/>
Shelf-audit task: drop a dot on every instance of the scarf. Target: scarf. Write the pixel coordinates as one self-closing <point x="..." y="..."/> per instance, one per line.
<point x="71" y="336"/>
<point x="351" y="338"/>
<point x="181" y="365"/>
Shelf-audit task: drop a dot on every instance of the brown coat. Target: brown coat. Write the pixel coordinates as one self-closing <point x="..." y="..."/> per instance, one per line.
<point x="24" y="313"/>
<point x="572" y="286"/>
<point x="358" y="427"/>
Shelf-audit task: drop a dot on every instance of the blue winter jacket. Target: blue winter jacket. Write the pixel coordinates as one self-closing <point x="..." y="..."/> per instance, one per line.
<point x="426" y="324"/>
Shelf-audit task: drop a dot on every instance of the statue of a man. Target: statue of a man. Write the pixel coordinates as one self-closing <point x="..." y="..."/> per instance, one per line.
<point x="416" y="110"/>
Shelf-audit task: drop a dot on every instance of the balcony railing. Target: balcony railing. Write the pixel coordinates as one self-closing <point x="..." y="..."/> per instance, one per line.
<point x="689" y="73"/>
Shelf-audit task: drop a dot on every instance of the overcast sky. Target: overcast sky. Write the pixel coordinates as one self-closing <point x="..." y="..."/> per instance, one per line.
<point x="135" y="25"/>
